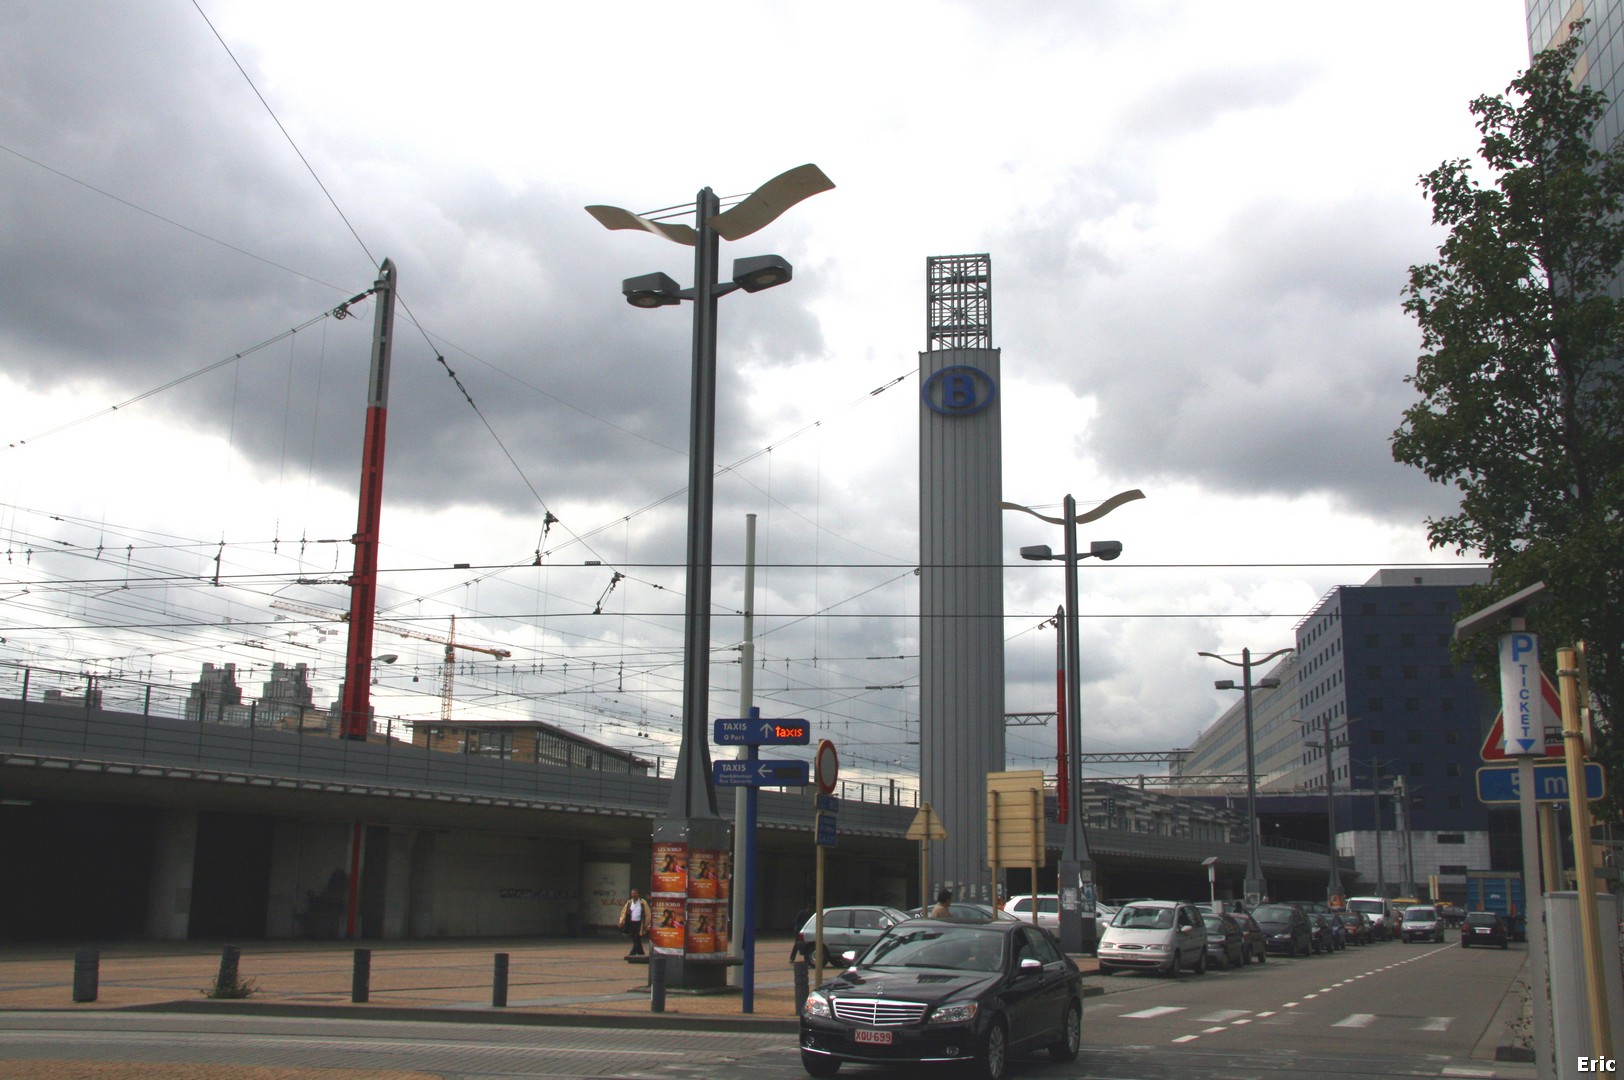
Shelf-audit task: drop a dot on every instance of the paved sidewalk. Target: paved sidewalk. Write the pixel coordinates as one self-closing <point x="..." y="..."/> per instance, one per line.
<point x="566" y="978"/>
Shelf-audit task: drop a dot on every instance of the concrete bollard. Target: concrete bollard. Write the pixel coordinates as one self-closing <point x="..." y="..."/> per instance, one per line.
<point x="803" y="984"/>
<point x="656" y="984"/>
<point x="86" y="974"/>
<point x="361" y="977"/>
<point x="499" y="982"/>
<point x="227" y="977"/>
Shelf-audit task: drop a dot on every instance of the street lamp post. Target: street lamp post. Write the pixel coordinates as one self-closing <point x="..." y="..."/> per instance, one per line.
<point x="1255" y="885"/>
<point x="691" y="820"/>
<point x="1075" y="875"/>
<point x="1333" y="885"/>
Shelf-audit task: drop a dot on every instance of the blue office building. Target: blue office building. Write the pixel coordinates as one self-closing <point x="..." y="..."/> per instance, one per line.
<point x="1373" y="676"/>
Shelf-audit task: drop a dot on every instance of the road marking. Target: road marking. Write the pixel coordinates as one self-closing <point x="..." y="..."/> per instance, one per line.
<point x="1151" y="1014"/>
<point x="1186" y="1038"/>
<point x="1291" y="1004"/>
<point x="1356" y="1020"/>
<point x="1213" y="1030"/>
<point x="1436" y="1023"/>
<point x="1261" y="1015"/>
<point x="1222" y="1016"/>
<point x="1244" y="1020"/>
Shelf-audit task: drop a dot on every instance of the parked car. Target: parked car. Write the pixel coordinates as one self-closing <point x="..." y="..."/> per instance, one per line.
<point x="1226" y="945"/>
<point x="966" y="911"/>
<point x="1482" y="928"/>
<point x="1285" y="928"/>
<point x="1380" y="912"/>
<point x="1165" y="936"/>
<point x="854" y="927"/>
<point x="1421" y="922"/>
<point x="1357" y="925"/>
<point x="1048" y="910"/>
<point x="933" y="991"/>
<point x="1257" y="945"/>
<point x="1323" y="937"/>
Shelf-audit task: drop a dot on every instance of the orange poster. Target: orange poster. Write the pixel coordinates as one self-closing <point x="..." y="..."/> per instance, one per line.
<point x="723" y="926"/>
<point x="702" y="874"/>
<point x="670" y="868"/>
<point x="666" y="933"/>
<point x="724" y="875"/>
<point x="701" y="927"/>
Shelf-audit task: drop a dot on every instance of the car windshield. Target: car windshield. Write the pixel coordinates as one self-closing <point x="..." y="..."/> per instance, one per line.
<point x="1214" y="923"/>
<point x="1134" y="917"/>
<point x="1419" y="914"/>
<point x="1272" y="913"/>
<point x="955" y="948"/>
<point x="1369" y="907"/>
<point x="1482" y="918"/>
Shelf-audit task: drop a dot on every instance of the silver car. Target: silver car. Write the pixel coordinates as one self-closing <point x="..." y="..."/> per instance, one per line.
<point x="848" y="928"/>
<point x="1165" y="936"/>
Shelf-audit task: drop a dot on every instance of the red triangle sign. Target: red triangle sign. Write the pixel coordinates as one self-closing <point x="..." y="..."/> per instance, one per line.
<point x="1494" y="745"/>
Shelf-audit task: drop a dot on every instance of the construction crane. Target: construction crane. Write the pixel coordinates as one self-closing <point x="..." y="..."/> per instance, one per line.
<point x="447" y="678"/>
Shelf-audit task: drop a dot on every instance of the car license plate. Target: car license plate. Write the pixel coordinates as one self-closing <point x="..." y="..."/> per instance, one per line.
<point x="877" y="1038"/>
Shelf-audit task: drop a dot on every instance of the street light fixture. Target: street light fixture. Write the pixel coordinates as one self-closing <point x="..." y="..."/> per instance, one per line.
<point x="1333" y="885"/>
<point x="691" y="817"/>
<point x="1255" y="885"/>
<point x="692" y="793"/>
<point x="1076" y="871"/>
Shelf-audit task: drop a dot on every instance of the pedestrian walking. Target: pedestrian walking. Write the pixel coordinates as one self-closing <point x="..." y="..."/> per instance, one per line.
<point x="634" y="922"/>
<point x="799" y="949"/>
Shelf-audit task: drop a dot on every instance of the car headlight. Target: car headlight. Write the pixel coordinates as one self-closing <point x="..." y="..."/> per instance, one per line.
<point x="1156" y="948"/>
<point x="957" y="1013"/>
<point x="816" y="1004"/>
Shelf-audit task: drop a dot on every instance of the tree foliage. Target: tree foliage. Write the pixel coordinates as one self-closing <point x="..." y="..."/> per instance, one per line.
<point x="1521" y="377"/>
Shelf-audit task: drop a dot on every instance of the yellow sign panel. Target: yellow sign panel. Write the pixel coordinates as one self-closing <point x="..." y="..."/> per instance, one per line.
<point x="1015" y="829"/>
<point x="926" y="825"/>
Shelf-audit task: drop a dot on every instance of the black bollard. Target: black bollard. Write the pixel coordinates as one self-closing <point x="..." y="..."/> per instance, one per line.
<point x="361" y="977"/>
<point x="656" y="984"/>
<point x="227" y="978"/>
<point x="86" y="974"/>
<point x="803" y="983"/>
<point x="499" y="982"/>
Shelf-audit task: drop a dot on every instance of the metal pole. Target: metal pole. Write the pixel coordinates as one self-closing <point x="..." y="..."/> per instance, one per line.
<point x="1075" y="874"/>
<point x="1333" y="888"/>
<point x="1376" y="800"/>
<point x="1601" y="1038"/>
<point x="744" y="803"/>
<point x="691" y="792"/>
<point x="1062" y="722"/>
<point x="355" y="701"/>
<point x="1256" y="887"/>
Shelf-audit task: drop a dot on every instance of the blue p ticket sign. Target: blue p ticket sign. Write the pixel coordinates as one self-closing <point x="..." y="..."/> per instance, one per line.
<point x="1520" y="695"/>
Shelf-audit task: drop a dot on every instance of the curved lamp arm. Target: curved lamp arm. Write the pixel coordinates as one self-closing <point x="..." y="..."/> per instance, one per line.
<point x="1084" y="518"/>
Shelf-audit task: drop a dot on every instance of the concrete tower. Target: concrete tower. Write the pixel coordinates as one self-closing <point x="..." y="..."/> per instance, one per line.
<point x="961" y="578"/>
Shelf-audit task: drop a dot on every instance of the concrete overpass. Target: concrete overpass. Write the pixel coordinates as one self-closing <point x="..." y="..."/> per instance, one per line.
<point x="117" y="824"/>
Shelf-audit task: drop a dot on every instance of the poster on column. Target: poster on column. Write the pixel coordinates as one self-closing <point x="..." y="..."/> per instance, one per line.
<point x="702" y="927"/>
<point x="702" y="874"/>
<point x="670" y="868"/>
<point x="669" y="916"/>
<point x="723" y="927"/>
<point x="724" y="875"/>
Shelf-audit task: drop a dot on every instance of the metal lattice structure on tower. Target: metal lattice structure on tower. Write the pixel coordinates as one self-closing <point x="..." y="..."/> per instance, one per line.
<point x="958" y="302"/>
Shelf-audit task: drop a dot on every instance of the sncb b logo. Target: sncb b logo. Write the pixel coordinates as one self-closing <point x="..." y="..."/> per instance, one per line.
<point x="958" y="391"/>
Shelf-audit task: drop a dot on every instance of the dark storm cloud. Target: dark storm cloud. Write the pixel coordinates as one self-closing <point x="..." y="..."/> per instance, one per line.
<point x="518" y="289"/>
<point x="1269" y="359"/>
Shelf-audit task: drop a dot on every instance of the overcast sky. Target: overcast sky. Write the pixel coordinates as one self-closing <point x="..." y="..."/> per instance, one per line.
<point x="1199" y="217"/>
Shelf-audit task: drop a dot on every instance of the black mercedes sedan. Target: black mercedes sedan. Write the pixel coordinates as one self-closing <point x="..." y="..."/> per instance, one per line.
<point x="947" y="993"/>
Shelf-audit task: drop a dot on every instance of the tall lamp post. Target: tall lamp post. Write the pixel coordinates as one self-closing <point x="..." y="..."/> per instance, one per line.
<point x="691" y="822"/>
<point x="1255" y="886"/>
<point x="1076" y="871"/>
<point x="1333" y="884"/>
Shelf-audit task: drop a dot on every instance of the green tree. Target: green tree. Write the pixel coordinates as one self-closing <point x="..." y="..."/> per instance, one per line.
<point x="1521" y="378"/>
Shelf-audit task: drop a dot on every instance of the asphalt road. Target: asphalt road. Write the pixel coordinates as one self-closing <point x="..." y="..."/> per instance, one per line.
<point x="1385" y="1011"/>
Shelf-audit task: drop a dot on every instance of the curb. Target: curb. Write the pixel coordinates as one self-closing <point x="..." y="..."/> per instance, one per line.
<point x="687" y="1021"/>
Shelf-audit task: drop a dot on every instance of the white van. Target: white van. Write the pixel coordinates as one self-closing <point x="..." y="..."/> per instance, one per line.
<point x="1383" y="919"/>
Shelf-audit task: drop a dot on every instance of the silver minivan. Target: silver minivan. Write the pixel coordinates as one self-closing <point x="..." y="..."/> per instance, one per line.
<point x="1165" y="936"/>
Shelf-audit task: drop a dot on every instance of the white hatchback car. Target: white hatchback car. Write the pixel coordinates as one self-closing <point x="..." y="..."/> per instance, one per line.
<point x="1048" y="910"/>
<point x="1165" y="936"/>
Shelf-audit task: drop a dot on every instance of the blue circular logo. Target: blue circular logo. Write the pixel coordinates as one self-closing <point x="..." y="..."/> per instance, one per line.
<point x="958" y="391"/>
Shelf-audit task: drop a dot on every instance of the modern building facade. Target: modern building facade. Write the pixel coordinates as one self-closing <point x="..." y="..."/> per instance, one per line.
<point x="1373" y="677"/>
